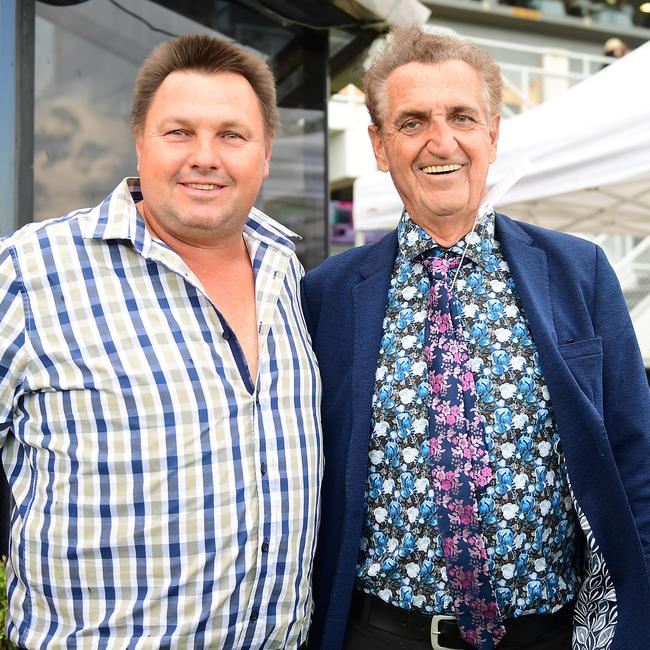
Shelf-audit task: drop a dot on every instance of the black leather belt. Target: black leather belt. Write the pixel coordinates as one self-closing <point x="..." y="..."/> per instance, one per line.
<point x="520" y="632"/>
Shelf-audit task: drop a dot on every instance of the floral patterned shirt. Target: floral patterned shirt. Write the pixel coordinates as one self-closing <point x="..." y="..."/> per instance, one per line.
<point x="526" y="511"/>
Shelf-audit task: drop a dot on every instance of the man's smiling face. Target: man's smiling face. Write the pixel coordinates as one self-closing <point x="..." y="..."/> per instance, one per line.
<point x="437" y="140"/>
<point x="202" y="155"/>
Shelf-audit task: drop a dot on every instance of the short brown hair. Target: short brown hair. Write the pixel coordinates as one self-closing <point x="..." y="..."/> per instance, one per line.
<point x="203" y="53"/>
<point x="412" y="45"/>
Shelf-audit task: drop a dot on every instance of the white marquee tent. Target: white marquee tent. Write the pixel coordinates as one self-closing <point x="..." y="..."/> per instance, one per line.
<point x="589" y="150"/>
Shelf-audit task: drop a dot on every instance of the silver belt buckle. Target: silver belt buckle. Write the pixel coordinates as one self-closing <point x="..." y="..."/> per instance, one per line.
<point x="435" y="632"/>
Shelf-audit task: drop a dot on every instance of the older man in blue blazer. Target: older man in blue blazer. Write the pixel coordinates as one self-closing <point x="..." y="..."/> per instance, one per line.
<point x="486" y="413"/>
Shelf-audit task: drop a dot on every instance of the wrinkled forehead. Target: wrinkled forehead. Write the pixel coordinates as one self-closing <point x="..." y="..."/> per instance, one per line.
<point x="425" y="86"/>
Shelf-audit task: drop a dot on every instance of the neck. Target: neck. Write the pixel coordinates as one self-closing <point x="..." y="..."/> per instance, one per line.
<point x="200" y="254"/>
<point x="209" y="258"/>
<point x="448" y="232"/>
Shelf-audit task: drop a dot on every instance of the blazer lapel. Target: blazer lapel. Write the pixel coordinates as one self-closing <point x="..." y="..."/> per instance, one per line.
<point x="529" y="269"/>
<point x="369" y="305"/>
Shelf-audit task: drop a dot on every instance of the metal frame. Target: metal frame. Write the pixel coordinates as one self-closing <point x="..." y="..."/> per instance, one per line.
<point x="8" y="114"/>
<point x="16" y="113"/>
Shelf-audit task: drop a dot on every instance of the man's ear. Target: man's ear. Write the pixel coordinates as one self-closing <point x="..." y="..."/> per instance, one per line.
<point x="137" y="138"/>
<point x="494" y="136"/>
<point x="267" y="157"/>
<point x="378" y="147"/>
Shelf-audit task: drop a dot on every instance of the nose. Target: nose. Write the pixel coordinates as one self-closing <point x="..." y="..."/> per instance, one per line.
<point x="204" y="153"/>
<point x="441" y="139"/>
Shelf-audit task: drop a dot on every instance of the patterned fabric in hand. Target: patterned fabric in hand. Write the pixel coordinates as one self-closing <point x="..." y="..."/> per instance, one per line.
<point x="459" y="459"/>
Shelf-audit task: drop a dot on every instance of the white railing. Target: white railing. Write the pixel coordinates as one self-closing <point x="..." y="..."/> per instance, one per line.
<point x="630" y="258"/>
<point x="634" y="264"/>
<point x="588" y="63"/>
<point x="550" y="70"/>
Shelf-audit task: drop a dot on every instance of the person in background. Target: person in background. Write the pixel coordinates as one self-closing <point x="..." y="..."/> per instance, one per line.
<point x="159" y="401"/>
<point x="486" y="414"/>
<point x="615" y="48"/>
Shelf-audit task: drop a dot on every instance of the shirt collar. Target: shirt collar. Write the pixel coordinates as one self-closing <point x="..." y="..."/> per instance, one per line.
<point x="413" y="241"/>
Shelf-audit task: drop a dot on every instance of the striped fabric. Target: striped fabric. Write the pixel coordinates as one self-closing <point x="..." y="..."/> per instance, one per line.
<point x="161" y="501"/>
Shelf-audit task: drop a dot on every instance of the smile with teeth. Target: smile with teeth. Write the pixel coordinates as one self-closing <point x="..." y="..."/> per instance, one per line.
<point x="441" y="169"/>
<point x="202" y="186"/>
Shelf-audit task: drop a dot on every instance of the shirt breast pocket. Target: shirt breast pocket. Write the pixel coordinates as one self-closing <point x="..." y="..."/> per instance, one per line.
<point x="584" y="359"/>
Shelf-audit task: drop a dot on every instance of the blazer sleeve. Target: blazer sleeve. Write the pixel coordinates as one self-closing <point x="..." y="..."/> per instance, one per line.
<point x="306" y="307"/>
<point x="626" y="396"/>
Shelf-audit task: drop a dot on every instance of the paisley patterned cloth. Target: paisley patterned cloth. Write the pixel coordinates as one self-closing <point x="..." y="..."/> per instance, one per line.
<point x="458" y="458"/>
<point x="528" y="520"/>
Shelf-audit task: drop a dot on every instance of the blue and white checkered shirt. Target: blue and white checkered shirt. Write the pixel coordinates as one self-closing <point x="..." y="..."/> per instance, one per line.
<point x="159" y="503"/>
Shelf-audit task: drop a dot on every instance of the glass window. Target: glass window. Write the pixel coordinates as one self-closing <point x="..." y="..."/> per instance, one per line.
<point x="87" y="57"/>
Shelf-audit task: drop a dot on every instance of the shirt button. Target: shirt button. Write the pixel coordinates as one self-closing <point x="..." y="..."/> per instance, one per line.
<point x="226" y="335"/>
<point x="263" y="468"/>
<point x="265" y="547"/>
<point x="254" y="615"/>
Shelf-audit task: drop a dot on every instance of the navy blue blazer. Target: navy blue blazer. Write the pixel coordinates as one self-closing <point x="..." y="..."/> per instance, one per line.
<point x="599" y="393"/>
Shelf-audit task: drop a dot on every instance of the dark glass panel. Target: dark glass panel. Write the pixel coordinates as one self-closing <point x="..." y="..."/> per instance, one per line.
<point x="87" y="58"/>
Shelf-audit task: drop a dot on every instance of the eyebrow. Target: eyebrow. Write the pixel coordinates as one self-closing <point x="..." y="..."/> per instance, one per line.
<point x="464" y="108"/>
<point x="181" y="121"/>
<point x="405" y="115"/>
<point x="424" y="114"/>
